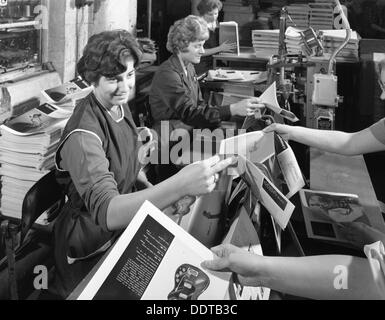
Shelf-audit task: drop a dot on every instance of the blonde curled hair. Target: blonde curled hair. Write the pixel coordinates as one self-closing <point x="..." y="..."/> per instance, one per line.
<point x="185" y="31"/>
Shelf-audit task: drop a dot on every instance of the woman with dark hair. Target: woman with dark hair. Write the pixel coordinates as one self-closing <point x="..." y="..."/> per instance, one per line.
<point x="97" y="162"/>
<point x="209" y="11"/>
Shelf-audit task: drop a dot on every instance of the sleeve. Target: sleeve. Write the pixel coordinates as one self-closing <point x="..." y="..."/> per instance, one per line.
<point x="375" y="253"/>
<point x="378" y="130"/>
<point x="84" y="158"/>
<point x="176" y="97"/>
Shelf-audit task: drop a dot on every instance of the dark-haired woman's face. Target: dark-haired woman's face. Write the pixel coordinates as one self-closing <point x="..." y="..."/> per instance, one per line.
<point x="116" y="90"/>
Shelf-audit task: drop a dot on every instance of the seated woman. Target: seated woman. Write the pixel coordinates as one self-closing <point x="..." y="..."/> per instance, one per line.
<point x="97" y="162"/>
<point x="209" y="11"/>
<point x="175" y="96"/>
<point x="319" y="277"/>
<point x="175" y="93"/>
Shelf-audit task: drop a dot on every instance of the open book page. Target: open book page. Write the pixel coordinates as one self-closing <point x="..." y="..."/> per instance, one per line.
<point x="267" y="162"/>
<point x="41" y="120"/>
<point x="207" y="216"/>
<point x="273" y="152"/>
<point x="264" y="189"/>
<point x="228" y="32"/>
<point x="243" y="234"/>
<point x="156" y="259"/>
<point x="269" y="98"/>
<point x="72" y="90"/>
<point x="325" y="211"/>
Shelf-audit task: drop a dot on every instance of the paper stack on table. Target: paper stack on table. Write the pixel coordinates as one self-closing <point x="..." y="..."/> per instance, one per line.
<point x="237" y="75"/>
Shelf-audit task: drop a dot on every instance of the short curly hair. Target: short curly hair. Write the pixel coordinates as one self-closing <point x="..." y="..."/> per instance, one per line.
<point x="206" y="6"/>
<point x="185" y="31"/>
<point x="105" y="55"/>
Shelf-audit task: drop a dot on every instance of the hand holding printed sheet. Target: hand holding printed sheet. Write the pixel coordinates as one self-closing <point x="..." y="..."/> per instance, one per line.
<point x="269" y="99"/>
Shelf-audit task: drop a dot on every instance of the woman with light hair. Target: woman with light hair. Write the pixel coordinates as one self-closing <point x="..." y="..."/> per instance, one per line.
<point x="175" y="94"/>
<point x="209" y="11"/>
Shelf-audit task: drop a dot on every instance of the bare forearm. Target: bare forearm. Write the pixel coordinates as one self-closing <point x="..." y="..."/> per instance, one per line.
<point x="331" y="141"/>
<point x="211" y="51"/>
<point x="122" y="208"/>
<point x="320" y="277"/>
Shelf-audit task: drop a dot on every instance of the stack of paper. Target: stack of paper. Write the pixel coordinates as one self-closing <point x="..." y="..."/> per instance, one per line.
<point x="228" y="32"/>
<point x="265" y="39"/>
<point x="27" y="147"/>
<point x="299" y="14"/>
<point x="237" y="75"/>
<point x="321" y="15"/>
<point x="332" y="39"/>
<point x="294" y="41"/>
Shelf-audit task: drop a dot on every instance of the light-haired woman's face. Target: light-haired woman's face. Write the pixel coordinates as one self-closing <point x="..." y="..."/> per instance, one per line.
<point x="193" y="52"/>
<point x="116" y="90"/>
<point x="211" y="16"/>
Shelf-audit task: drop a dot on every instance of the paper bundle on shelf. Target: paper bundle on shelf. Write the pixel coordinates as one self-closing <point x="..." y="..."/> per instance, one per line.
<point x="27" y="147"/>
<point x="265" y="39"/>
<point x="299" y="14"/>
<point x="321" y="15"/>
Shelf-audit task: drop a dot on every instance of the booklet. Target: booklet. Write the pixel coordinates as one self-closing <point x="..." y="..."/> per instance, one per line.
<point x="228" y="31"/>
<point x="324" y="212"/>
<point x="156" y="259"/>
<point x="44" y="119"/>
<point x="268" y="164"/>
<point x="269" y="98"/>
<point x="72" y="90"/>
<point x="243" y="234"/>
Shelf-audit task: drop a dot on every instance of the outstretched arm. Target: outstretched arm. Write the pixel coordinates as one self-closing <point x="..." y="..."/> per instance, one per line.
<point x="84" y="158"/>
<point x="340" y="142"/>
<point x="223" y="47"/>
<point x="315" y="277"/>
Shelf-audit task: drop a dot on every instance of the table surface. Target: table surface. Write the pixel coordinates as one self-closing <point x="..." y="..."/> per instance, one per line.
<point x="247" y="53"/>
<point x="346" y="174"/>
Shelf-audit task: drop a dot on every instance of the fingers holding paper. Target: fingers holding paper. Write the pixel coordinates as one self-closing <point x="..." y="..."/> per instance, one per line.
<point x="283" y="130"/>
<point x="246" y="107"/>
<point x="201" y="177"/>
<point x="234" y="259"/>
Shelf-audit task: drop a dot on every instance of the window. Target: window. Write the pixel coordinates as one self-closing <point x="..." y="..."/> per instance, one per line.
<point x="20" y="34"/>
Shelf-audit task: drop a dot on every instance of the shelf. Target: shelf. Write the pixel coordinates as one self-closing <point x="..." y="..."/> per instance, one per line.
<point x="19" y="24"/>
